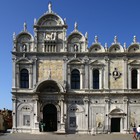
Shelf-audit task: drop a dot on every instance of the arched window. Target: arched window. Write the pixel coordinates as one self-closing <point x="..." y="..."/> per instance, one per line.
<point x="134" y="74"/>
<point x="24" y="78"/>
<point x="75" y="79"/>
<point x="95" y="79"/>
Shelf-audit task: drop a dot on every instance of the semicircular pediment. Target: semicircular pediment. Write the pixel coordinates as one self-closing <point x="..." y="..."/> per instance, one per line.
<point x="49" y="86"/>
<point x="115" y="48"/>
<point x="134" y="48"/>
<point x="50" y="19"/>
<point x="95" y="48"/>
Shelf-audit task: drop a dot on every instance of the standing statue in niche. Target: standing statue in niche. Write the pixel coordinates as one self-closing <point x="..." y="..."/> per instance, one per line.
<point x="53" y="36"/>
<point x="75" y="47"/>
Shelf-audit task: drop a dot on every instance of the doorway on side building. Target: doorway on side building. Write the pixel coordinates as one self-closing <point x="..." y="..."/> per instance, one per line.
<point x="50" y="118"/>
<point x="115" y="124"/>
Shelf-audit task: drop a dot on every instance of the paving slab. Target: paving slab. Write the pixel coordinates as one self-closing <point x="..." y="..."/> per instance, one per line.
<point x="53" y="136"/>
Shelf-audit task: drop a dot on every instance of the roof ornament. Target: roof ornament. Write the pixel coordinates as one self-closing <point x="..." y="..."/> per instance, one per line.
<point x="35" y="21"/>
<point x="134" y="39"/>
<point x="86" y="35"/>
<point x="75" y="26"/>
<point x="96" y="39"/>
<point x="25" y="26"/>
<point x="124" y="45"/>
<point x="50" y="7"/>
<point x="106" y="47"/>
<point x="64" y="20"/>
<point x="14" y="36"/>
<point x="115" y="39"/>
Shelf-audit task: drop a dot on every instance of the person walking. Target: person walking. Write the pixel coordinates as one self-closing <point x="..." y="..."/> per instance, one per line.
<point x="134" y="132"/>
<point x="138" y="132"/>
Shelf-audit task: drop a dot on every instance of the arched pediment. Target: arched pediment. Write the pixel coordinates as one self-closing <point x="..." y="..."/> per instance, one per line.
<point x="75" y="36"/>
<point x="117" y="111"/>
<point x="50" y="19"/>
<point x="135" y="47"/>
<point x="48" y="86"/>
<point x="116" y="48"/>
<point x="96" y="48"/>
<point x="24" y="37"/>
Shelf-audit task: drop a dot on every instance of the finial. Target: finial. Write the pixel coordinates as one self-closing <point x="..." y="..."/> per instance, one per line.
<point x="115" y="39"/>
<point x="14" y="36"/>
<point x="35" y="21"/>
<point x="96" y="39"/>
<point x="64" y="20"/>
<point x="50" y="7"/>
<point x="134" y="39"/>
<point x="86" y="35"/>
<point x="75" y="26"/>
<point x="124" y="45"/>
<point x="25" y="26"/>
<point x="105" y="45"/>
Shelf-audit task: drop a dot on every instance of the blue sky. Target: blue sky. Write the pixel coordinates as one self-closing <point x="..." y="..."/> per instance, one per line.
<point x="104" y="18"/>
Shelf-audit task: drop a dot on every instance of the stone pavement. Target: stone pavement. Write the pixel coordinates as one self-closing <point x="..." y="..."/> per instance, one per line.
<point x="53" y="136"/>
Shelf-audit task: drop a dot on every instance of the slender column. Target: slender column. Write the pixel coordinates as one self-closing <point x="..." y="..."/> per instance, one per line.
<point x="106" y="73"/>
<point x="30" y="77"/>
<point x="100" y="80"/>
<point x="69" y="77"/>
<point x="86" y="80"/>
<point x="86" y="101"/>
<point x="65" y="59"/>
<point x="14" y="73"/>
<point x="91" y="78"/>
<point x="62" y="114"/>
<point x="86" y="77"/>
<point x="125" y="72"/>
<point x="17" y="76"/>
<point x="14" y="115"/>
<point x="34" y="74"/>
<point x="107" y="104"/>
<point x="130" y="79"/>
<point x="125" y="119"/>
<point x="43" y="47"/>
<point x="82" y="77"/>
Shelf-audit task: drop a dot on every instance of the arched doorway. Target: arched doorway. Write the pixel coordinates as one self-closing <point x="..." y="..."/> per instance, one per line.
<point x="50" y="118"/>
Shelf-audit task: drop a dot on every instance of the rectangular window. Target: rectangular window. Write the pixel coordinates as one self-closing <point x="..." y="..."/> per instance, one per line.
<point x="72" y="122"/>
<point x="26" y="120"/>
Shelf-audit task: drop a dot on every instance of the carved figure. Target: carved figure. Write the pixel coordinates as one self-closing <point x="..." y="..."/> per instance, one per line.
<point x="50" y="7"/>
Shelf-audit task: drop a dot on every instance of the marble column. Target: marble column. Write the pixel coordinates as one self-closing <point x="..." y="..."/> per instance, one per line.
<point x="30" y="77"/>
<point x="17" y="76"/>
<point x="91" y="78"/>
<point x="107" y="111"/>
<point x="125" y="73"/>
<point x="86" y="103"/>
<point x="125" y="119"/>
<point x="14" y="73"/>
<point x="106" y="73"/>
<point x="129" y="78"/>
<point x="14" y="113"/>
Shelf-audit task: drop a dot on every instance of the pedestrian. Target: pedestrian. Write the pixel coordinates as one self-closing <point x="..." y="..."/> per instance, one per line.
<point x="134" y="132"/>
<point x="138" y="131"/>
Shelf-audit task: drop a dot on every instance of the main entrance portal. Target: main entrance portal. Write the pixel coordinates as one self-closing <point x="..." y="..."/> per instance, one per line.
<point x="50" y="118"/>
<point x="115" y="124"/>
